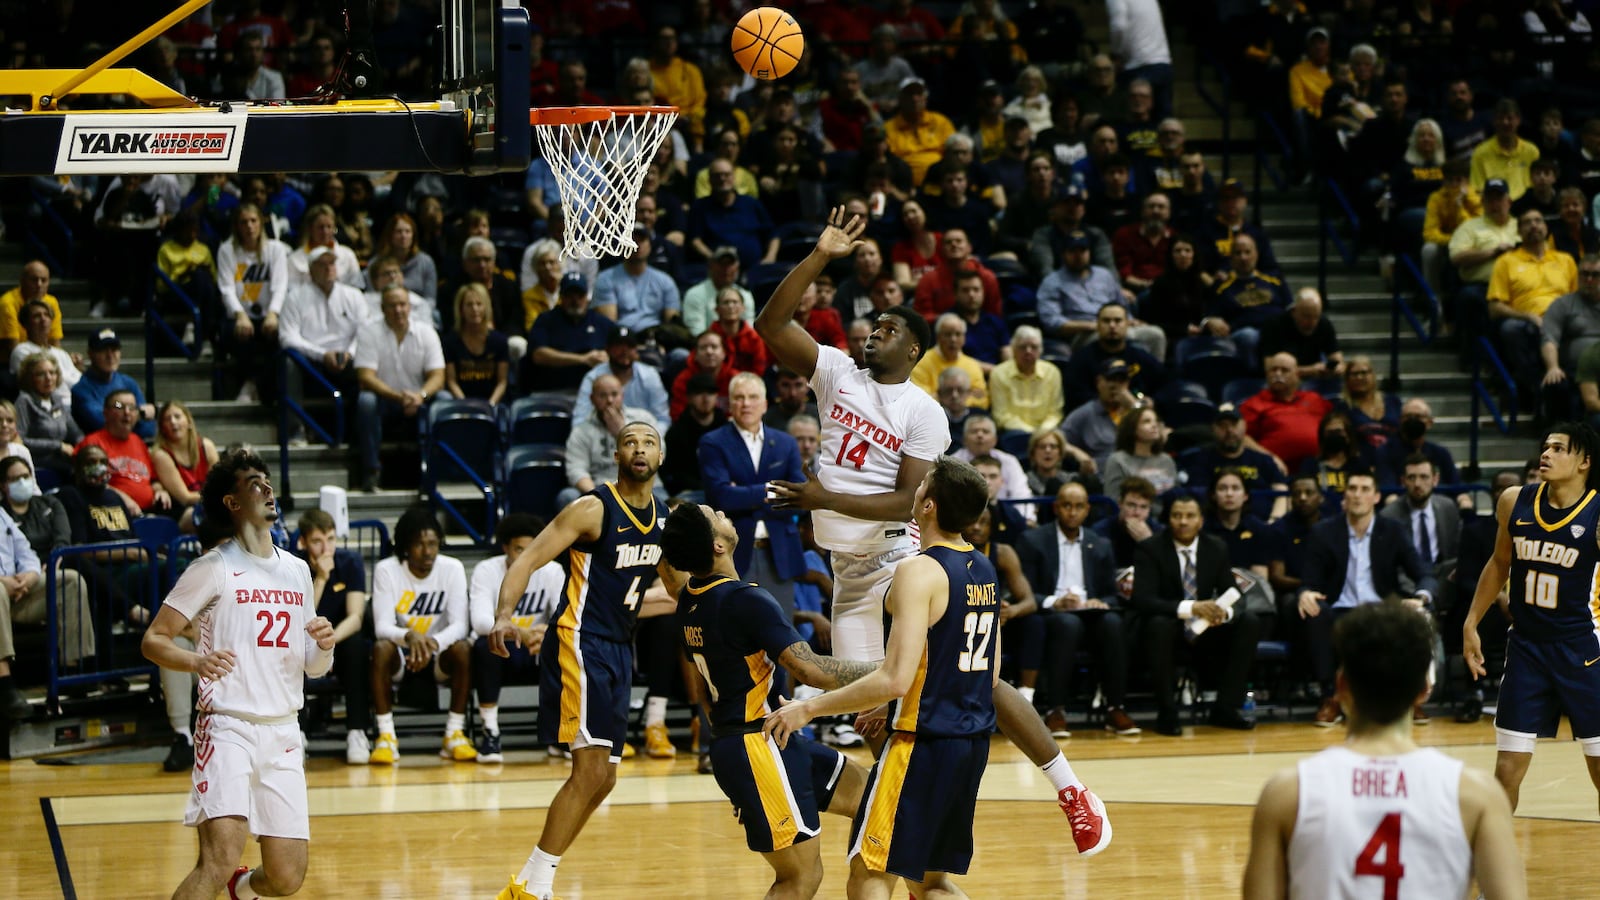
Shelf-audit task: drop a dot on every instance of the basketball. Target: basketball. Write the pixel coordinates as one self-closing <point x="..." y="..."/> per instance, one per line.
<point x="767" y="43"/>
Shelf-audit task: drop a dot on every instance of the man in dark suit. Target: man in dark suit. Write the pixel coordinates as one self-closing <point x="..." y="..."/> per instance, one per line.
<point x="1177" y="577"/>
<point x="1432" y="522"/>
<point x="1074" y="578"/>
<point x="736" y="462"/>
<point x="1353" y="560"/>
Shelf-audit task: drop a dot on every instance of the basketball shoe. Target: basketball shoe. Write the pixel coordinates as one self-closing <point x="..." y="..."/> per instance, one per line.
<point x="1091" y="829"/>
<point x="489" y="748"/>
<point x="657" y="745"/>
<point x="517" y="890"/>
<point x="233" y="883"/>
<point x="455" y="746"/>
<point x="386" y="752"/>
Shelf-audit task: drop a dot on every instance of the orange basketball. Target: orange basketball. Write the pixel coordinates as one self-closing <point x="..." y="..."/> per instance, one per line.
<point x="767" y="43"/>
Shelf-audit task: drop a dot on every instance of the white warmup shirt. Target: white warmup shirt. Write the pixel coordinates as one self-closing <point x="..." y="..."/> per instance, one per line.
<point x="434" y="607"/>
<point x="1379" y="827"/>
<point x="255" y="283"/>
<point x="258" y="608"/>
<point x="867" y="428"/>
<point x="533" y="607"/>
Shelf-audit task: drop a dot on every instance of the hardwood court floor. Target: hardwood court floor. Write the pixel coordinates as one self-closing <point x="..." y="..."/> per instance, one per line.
<point x="1180" y="807"/>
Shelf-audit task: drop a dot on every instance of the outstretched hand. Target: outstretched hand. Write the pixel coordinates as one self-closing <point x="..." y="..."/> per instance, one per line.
<point x="841" y="238"/>
<point x="788" y="718"/>
<point x="807" y="494"/>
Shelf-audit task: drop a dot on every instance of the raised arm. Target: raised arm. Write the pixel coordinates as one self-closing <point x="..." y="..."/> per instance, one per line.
<point x="791" y="344"/>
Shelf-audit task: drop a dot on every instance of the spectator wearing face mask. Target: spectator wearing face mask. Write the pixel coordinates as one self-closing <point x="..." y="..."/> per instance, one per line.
<point x="1416" y="418"/>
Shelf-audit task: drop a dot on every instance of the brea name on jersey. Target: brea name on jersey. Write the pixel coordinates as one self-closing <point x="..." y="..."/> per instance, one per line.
<point x="866" y="428"/>
<point x="278" y="597"/>
<point x="1387" y="783"/>
<point x="1532" y="550"/>
<point x="630" y="555"/>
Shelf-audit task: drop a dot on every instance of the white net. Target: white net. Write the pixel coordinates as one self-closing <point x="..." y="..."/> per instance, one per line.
<point x="600" y="166"/>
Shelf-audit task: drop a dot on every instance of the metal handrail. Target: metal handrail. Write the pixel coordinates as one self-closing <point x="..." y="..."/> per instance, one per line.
<point x="53" y="566"/>
<point x="1400" y="306"/>
<point x="42" y="248"/>
<point x="1328" y="230"/>
<point x="437" y="496"/>
<point x="154" y="319"/>
<point x="1221" y="108"/>
<point x="288" y="404"/>
<point x="1482" y="394"/>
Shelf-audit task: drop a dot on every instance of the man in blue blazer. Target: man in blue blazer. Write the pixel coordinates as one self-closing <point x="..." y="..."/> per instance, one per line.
<point x="1352" y="560"/>
<point x="1075" y="595"/>
<point x="736" y="462"/>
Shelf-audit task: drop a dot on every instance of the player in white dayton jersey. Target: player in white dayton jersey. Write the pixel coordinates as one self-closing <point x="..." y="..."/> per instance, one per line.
<point x="531" y="616"/>
<point x="880" y="437"/>
<point x="419" y="616"/>
<point x="259" y="637"/>
<point x="1380" y="817"/>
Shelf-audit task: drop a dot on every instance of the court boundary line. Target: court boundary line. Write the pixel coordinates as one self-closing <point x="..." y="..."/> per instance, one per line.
<point x="59" y="851"/>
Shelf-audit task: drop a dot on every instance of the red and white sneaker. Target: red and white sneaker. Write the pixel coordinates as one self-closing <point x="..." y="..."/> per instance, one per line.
<point x="1091" y="829"/>
<point x="241" y="872"/>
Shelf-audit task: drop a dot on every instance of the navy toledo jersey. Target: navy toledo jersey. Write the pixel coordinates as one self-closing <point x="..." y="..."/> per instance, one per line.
<point x="607" y="577"/>
<point x="734" y="632"/>
<point x="1555" y="566"/>
<point x="953" y="692"/>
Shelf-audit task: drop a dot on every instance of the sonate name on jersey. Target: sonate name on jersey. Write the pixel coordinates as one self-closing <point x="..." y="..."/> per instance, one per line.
<point x="629" y="555"/>
<point x="261" y="595"/>
<point x="980" y="594"/>
<point x="863" y="426"/>
<point x="1386" y="783"/>
<point x="1532" y="550"/>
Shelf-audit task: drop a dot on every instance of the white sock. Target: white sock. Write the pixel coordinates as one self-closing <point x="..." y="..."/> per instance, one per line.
<point x="187" y="734"/>
<point x="1060" y="773"/>
<point x="455" y="722"/>
<point x="242" y="888"/>
<point x="491" y="718"/>
<point x="538" y="874"/>
<point x="655" y="711"/>
<point x="1027" y="693"/>
<point x="385" y="724"/>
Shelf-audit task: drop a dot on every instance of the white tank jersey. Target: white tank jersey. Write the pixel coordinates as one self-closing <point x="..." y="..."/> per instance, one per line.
<point x="258" y="608"/>
<point x="1385" y="828"/>
<point x="533" y="607"/>
<point x="867" y="428"/>
<point x="435" y="606"/>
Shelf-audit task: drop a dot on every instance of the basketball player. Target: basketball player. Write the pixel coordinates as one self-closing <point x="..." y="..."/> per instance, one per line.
<point x="1549" y="548"/>
<point x="880" y="436"/>
<point x="612" y="540"/>
<point x="258" y="640"/>
<point x="938" y="676"/>
<point x="734" y="632"/>
<point x="1381" y="817"/>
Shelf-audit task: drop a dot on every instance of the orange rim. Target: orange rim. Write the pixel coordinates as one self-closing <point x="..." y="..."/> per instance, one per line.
<point x="579" y="115"/>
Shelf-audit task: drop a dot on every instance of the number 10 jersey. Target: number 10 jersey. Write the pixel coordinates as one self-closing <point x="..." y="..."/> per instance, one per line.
<point x="1555" y="566"/>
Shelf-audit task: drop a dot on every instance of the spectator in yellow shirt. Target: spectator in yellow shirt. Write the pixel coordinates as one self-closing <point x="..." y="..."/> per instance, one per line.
<point x="187" y="262"/>
<point x="1524" y="283"/>
<point x="950" y="336"/>
<point x="33" y="285"/>
<point x="916" y="134"/>
<point x="1309" y="78"/>
<point x="1025" y="392"/>
<point x="1505" y="155"/>
<point x="678" y="82"/>
<point x="1452" y="204"/>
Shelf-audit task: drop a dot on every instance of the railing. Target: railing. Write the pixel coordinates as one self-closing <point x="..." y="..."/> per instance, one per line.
<point x="103" y="665"/>
<point x="1221" y="108"/>
<point x="1262" y="164"/>
<point x="431" y="487"/>
<point x="1332" y="200"/>
<point x="40" y="246"/>
<point x="155" y="322"/>
<point x="1405" y="266"/>
<point x="288" y="404"/>
<point x="1481" y="394"/>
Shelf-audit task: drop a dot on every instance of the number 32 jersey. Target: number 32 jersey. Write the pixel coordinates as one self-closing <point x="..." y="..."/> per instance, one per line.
<point x="952" y="694"/>
<point x="258" y="608"/>
<point x="1555" y="566"/>
<point x="867" y="428"/>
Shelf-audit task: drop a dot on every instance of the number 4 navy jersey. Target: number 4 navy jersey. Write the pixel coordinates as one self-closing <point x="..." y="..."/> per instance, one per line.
<point x="734" y="632"/>
<point x="607" y="577"/>
<point x="952" y="694"/>
<point x="1555" y="566"/>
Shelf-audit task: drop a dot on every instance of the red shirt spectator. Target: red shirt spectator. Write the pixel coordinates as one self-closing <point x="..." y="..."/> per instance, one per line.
<point x="845" y="111"/>
<point x="679" y="400"/>
<point x="1137" y="256"/>
<point x="912" y="23"/>
<point x="824" y="325"/>
<point x="747" y="352"/>
<point x="936" y="291"/>
<point x="1283" y="419"/>
<point x="276" y="35"/>
<point x="131" y="468"/>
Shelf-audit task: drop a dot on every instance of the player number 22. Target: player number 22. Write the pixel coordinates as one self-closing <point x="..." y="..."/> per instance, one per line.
<point x="856" y="454"/>
<point x="1385" y="840"/>
<point x="266" y="618"/>
<point x="979" y="627"/>
<point x="1540" y="589"/>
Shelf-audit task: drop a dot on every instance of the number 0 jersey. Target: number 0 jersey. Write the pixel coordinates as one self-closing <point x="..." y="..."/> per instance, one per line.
<point x="952" y="694"/>
<point x="256" y="608"/>
<point x="607" y="577"/>
<point x="1555" y="566"/>
<point x="734" y="632"/>
<point x="1385" y="828"/>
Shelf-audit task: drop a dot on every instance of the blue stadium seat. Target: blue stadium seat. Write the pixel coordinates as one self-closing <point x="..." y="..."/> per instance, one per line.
<point x="1239" y="390"/>
<point x="539" y="419"/>
<point x="155" y="532"/>
<point x="461" y="440"/>
<point x="1214" y="369"/>
<point x="763" y="279"/>
<point x="1188" y="411"/>
<point x="535" y="473"/>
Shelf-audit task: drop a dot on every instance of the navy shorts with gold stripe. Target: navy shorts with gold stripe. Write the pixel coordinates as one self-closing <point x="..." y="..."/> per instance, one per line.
<point x="776" y="794"/>
<point x="1544" y="679"/>
<point x="920" y="799"/>
<point x="584" y="685"/>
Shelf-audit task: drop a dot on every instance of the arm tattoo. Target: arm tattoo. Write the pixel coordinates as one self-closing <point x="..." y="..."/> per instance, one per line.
<point x="828" y="672"/>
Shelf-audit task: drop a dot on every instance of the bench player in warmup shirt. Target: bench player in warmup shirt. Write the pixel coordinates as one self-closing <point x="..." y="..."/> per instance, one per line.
<point x="1549" y="549"/>
<point x="1381" y="817"/>
<point x="531" y="616"/>
<point x="880" y="437"/>
<point x="259" y="637"/>
<point x="737" y="635"/>
<point x="611" y="539"/>
<point x="938" y="677"/>
<point x="419" y="605"/>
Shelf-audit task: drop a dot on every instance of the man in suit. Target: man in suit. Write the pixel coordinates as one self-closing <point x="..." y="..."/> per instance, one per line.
<point x="1074" y="577"/>
<point x="1350" y="561"/>
<point x="1433" y="522"/>
<point x="1177" y="577"/>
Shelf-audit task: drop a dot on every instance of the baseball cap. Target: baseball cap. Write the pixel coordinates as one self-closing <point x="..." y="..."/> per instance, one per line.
<point x="1317" y="32"/>
<point x="1077" y="240"/>
<point x="702" y="383"/>
<point x="318" y="253"/>
<point x="725" y="253"/>
<point x="1227" y="412"/>
<point x="574" y="281"/>
<point x="622" y="334"/>
<point x="911" y="82"/>
<point x="641" y="230"/>
<point x="1231" y="188"/>
<point x="1074" y="191"/>
<point x="1496" y="186"/>
<point x="1115" y="368"/>
<point x="103" y="339"/>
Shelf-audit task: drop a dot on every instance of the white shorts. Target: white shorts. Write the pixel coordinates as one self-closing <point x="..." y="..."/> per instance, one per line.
<point x="860" y="582"/>
<point x="256" y="772"/>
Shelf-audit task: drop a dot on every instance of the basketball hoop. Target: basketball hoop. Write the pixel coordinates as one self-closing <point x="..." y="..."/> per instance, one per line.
<point x="599" y="155"/>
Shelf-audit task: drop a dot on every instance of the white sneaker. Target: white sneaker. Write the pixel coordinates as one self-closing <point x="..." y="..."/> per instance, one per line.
<point x="357" y="749"/>
<point x="99" y="309"/>
<point x="247" y="393"/>
<point x="842" y="735"/>
<point x="299" y="441"/>
<point x="188" y="334"/>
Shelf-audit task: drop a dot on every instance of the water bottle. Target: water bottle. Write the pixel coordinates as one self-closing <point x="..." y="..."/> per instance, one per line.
<point x="1248" y="710"/>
